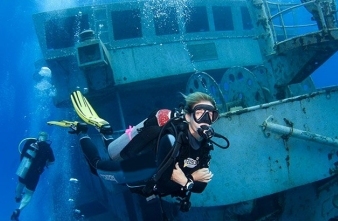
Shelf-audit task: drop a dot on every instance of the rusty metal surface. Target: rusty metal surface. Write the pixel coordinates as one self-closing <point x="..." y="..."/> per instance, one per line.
<point x="256" y="165"/>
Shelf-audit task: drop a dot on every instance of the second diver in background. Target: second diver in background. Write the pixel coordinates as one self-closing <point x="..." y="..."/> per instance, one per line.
<point x="34" y="157"/>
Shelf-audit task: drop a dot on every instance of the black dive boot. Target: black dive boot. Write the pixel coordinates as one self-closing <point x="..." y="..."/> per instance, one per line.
<point x="107" y="134"/>
<point x="79" y="128"/>
<point x="15" y="215"/>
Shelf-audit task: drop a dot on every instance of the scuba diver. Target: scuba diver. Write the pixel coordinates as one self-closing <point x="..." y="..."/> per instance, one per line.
<point x="34" y="157"/>
<point x="166" y="154"/>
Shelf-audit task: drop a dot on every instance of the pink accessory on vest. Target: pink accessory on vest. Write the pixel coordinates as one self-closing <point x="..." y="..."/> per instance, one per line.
<point x="128" y="131"/>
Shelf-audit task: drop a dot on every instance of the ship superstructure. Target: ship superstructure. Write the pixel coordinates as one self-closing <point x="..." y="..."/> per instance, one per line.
<point x="255" y="57"/>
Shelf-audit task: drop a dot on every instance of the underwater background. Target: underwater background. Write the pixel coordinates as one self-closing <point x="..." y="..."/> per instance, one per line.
<point x="26" y="105"/>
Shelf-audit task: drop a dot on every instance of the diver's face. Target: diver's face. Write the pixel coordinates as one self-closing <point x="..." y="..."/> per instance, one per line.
<point x="42" y="138"/>
<point x="203" y="113"/>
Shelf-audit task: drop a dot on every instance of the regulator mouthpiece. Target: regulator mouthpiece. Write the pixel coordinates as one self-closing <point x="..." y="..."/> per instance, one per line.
<point x="206" y="131"/>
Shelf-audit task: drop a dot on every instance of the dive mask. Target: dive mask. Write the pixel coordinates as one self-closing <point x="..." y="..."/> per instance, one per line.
<point x="204" y="113"/>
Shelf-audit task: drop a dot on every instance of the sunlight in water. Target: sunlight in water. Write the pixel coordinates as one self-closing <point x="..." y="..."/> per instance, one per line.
<point x="56" y="5"/>
<point x="64" y="4"/>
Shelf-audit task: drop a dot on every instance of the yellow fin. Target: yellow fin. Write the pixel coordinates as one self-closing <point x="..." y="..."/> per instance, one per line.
<point x="85" y="110"/>
<point x="62" y="123"/>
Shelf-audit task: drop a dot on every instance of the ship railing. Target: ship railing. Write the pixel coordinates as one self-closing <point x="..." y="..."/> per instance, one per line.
<point x="323" y="12"/>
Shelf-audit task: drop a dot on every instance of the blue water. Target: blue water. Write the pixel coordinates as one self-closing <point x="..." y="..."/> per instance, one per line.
<point x="25" y="109"/>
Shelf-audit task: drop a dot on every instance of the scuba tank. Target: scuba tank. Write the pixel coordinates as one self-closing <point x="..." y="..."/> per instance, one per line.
<point x="27" y="160"/>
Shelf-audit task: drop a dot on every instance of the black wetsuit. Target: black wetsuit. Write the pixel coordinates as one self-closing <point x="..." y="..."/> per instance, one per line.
<point x="137" y="170"/>
<point x="189" y="160"/>
<point x="44" y="154"/>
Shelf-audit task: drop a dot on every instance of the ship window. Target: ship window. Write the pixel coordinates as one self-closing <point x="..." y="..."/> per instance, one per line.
<point x="223" y="18"/>
<point x="126" y="24"/>
<point x="246" y="19"/>
<point x="166" y="21"/>
<point x="61" y="33"/>
<point x="197" y="20"/>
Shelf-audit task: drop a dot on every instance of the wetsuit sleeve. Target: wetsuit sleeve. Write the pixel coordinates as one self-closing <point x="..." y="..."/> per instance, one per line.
<point x="165" y="185"/>
<point x="198" y="187"/>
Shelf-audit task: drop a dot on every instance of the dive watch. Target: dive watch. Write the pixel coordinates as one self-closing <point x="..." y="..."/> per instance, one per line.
<point x="189" y="185"/>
